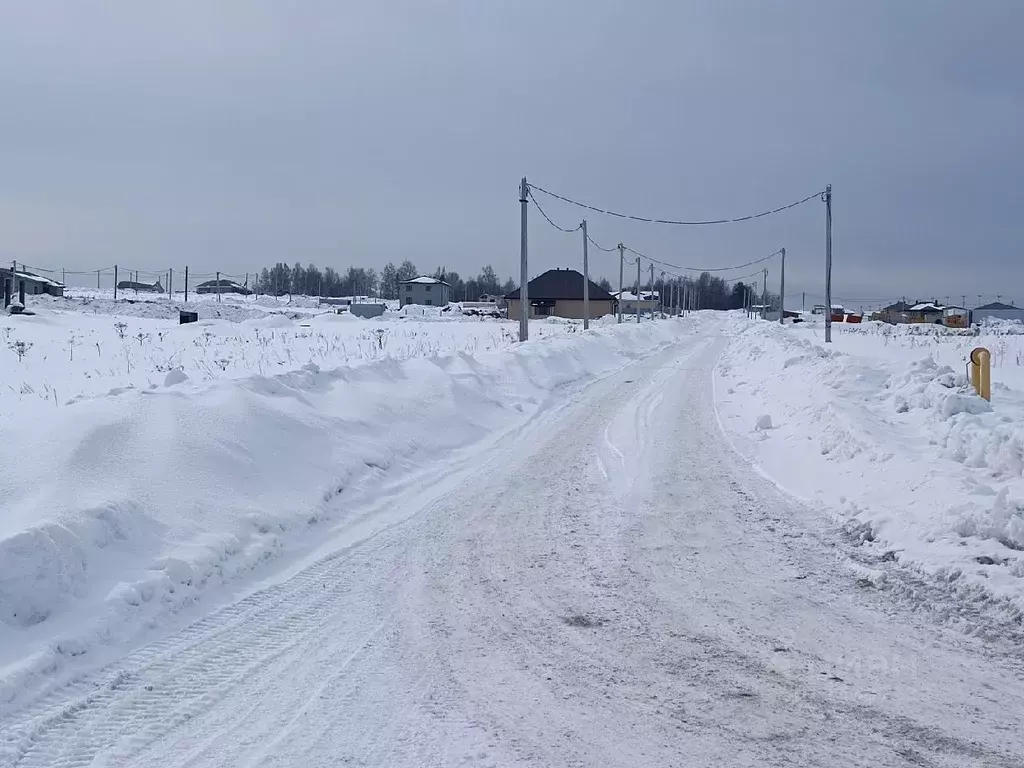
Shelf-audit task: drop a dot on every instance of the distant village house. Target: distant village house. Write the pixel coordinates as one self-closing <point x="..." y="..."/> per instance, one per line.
<point x="559" y="293"/>
<point x="997" y="310"/>
<point x="646" y="301"/>
<point x="426" y="291"/>
<point x="226" y="286"/>
<point x="35" y="285"/>
<point x="133" y="285"/>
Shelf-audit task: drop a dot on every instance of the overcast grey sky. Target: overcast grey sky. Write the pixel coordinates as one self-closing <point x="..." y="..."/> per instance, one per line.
<point x="229" y="135"/>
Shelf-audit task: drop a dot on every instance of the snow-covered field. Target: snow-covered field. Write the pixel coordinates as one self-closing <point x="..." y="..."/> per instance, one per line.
<point x="89" y="345"/>
<point x="146" y="461"/>
<point x="882" y="430"/>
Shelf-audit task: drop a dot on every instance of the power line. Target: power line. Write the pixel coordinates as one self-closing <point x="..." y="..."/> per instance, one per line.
<point x="542" y="213"/>
<point x="650" y="220"/>
<point x="707" y="269"/>
<point x="600" y="247"/>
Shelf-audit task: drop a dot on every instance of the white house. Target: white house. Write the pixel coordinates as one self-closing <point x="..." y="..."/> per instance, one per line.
<point x="647" y="301"/>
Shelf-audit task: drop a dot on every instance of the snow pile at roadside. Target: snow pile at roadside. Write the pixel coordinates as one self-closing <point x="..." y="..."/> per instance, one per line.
<point x="916" y="465"/>
<point x="123" y="509"/>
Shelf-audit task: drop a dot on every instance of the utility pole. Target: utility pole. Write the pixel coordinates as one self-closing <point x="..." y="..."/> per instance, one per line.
<point x="115" y="282"/>
<point x="651" y="294"/>
<point x="524" y="298"/>
<point x="963" y="301"/>
<point x="782" y="290"/>
<point x="828" y="264"/>
<point x="170" y="284"/>
<point x="186" y="284"/>
<point x="638" y="294"/>
<point x="97" y="279"/>
<point x="764" y="297"/>
<point x="622" y="266"/>
<point x="586" y="279"/>
<point x="218" y="285"/>
<point x="803" y="302"/>
<point x="63" y="276"/>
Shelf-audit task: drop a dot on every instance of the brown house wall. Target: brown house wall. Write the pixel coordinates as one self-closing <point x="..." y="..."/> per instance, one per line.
<point x="568" y="309"/>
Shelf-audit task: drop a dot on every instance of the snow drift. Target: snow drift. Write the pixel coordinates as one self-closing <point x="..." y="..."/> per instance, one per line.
<point x="892" y="439"/>
<point x="123" y="509"/>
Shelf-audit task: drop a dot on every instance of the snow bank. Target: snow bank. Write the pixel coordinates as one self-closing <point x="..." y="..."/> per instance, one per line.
<point x="892" y="439"/>
<point x="121" y="510"/>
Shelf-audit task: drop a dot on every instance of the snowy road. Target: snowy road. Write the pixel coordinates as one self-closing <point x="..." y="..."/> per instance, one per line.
<point x="609" y="586"/>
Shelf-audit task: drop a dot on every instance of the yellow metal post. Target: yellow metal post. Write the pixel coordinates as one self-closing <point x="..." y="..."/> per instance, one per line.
<point x="981" y="372"/>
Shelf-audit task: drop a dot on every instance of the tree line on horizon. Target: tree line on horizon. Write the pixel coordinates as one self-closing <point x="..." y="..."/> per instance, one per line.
<point x="310" y="280"/>
<point x="281" y="279"/>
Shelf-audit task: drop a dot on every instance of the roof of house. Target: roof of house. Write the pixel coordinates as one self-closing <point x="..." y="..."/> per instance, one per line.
<point x="562" y="284"/>
<point x="423" y="280"/>
<point x="23" y="275"/>
<point x="630" y="296"/>
<point x="899" y="306"/>
<point x="223" y="282"/>
<point x="133" y="285"/>
<point x="998" y="305"/>
<point x="926" y="306"/>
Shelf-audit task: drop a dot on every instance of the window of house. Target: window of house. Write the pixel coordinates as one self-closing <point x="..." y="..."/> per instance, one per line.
<point x="429" y="287"/>
<point x="429" y="302"/>
<point x="542" y="311"/>
<point x="408" y="289"/>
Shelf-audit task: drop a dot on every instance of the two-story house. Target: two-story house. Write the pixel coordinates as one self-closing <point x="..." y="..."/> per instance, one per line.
<point x="428" y="291"/>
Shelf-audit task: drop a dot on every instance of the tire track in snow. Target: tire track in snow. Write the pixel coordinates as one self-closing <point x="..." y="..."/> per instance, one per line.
<point x="164" y="685"/>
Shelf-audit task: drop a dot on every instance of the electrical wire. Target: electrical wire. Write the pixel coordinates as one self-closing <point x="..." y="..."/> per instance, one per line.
<point x="651" y="220"/>
<point x="529" y="191"/>
<point x="706" y="269"/>
<point x="600" y="247"/>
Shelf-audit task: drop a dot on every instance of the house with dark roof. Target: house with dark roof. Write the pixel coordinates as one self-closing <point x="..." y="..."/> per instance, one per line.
<point x="895" y="313"/>
<point x="224" y="286"/>
<point x="135" y="285"/>
<point x="559" y="293"/>
<point x="997" y="310"/>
